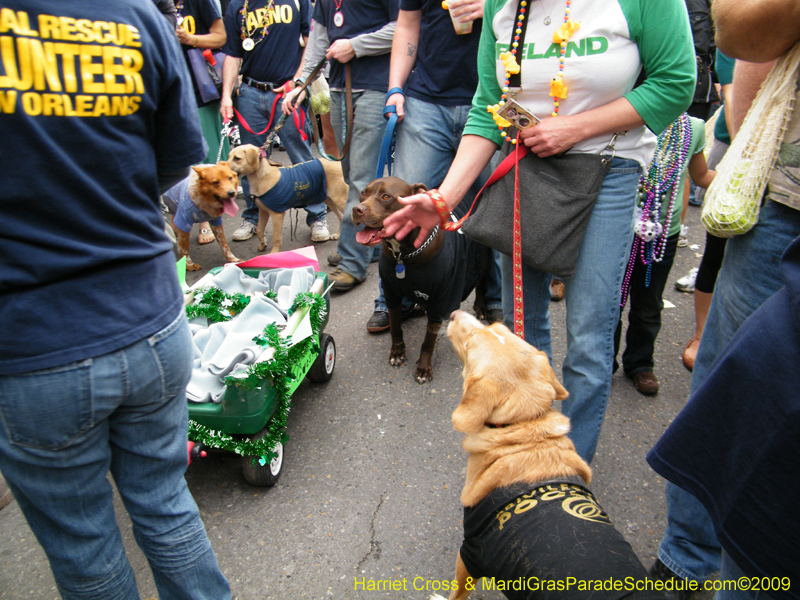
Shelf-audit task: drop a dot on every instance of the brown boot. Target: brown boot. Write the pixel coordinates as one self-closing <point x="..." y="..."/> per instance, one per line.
<point x="557" y="290"/>
<point x="342" y="280"/>
<point x="646" y="383"/>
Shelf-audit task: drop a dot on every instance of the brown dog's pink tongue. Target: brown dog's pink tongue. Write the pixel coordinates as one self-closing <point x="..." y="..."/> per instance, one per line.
<point x="367" y="236"/>
<point x="229" y="207"/>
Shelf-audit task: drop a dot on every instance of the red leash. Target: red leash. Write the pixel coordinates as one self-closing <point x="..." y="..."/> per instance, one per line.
<point x="512" y="160"/>
<point x="299" y="121"/>
<point x="519" y="312"/>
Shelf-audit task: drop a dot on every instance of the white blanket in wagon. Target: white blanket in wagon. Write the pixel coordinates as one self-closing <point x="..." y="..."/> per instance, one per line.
<point x="222" y="348"/>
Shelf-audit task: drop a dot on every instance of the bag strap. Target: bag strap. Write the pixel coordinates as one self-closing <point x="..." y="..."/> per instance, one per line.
<point x="513" y="158"/>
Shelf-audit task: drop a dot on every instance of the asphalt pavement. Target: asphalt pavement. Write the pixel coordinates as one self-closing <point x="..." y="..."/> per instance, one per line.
<point x="367" y="505"/>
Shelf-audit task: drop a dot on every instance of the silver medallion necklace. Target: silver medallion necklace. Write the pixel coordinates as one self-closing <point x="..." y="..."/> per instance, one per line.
<point x="547" y="19"/>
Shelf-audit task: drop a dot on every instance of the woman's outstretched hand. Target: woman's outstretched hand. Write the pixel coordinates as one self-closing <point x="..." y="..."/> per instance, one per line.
<point x="418" y="212"/>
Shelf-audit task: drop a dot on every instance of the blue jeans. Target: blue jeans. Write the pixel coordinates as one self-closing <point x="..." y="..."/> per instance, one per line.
<point x="730" y="571"/>
<point x="359" y="167"/>
<point x="427" y="142"/>
<point x="592" y="298"/>
<point x="749" y="275"/>
<point x="256" y="108"/>
<point x="125" y="412"/>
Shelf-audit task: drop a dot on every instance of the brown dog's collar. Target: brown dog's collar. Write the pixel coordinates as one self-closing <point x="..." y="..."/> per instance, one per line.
<point x="400" y="257"/>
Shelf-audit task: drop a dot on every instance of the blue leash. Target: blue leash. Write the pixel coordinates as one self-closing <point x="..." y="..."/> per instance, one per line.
<point x="387" y="147"/>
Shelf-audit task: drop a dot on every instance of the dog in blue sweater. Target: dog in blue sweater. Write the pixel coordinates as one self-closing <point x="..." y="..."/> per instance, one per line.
<point x="276" y="188"/>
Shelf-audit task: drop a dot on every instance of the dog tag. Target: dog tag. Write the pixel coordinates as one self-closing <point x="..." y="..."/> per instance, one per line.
<point x="400" y="270"/>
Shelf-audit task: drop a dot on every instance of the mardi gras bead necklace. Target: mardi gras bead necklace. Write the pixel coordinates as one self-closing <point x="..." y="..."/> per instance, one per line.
<point x="662" y="178"/>
<point x="179" y="12"/>
<point x="558" y="89"/>
<point x="248" y="43"/>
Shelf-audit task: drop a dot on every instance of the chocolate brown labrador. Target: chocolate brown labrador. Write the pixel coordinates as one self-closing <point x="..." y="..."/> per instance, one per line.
<point x="439" y="275"/>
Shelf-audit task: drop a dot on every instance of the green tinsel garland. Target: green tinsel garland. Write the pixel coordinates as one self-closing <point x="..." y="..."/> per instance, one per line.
<point x="216" y="305"/>
<point x="278" y="371"/>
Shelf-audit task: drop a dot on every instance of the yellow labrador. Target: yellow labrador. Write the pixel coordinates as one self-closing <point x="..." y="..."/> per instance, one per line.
<point x="532" y="528"/>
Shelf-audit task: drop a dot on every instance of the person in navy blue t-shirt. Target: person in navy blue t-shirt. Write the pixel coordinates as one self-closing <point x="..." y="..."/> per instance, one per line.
<point x="97" y="116"/>
<point x="200" y="26"/>
<point x="433" y="76"/>
<point x="358" y="33"/>
<point x="265" y="46"/>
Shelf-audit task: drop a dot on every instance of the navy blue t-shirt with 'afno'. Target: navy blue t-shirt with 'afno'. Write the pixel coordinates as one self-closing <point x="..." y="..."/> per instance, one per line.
<point x="275" y="57"/>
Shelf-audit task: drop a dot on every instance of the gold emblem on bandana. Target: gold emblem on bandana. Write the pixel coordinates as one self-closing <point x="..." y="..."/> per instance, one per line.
<point x="584" y="507"/>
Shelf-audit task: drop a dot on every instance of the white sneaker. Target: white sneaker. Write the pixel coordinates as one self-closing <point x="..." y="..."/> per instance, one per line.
<point x="683" y="239"/>
<point x="686" y="284"/>
<point x="245" y="232"/>
<point x="319" y="231"/>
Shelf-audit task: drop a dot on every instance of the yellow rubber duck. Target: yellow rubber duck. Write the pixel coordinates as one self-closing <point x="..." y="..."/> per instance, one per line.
<point x="510" y="63"/>
<point x="565" y="32"/>
<point x="558" y="88"/>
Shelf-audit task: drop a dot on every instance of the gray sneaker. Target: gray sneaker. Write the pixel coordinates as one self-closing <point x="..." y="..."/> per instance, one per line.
<point x="319" y="231"/>
<point x="245" y="232"/>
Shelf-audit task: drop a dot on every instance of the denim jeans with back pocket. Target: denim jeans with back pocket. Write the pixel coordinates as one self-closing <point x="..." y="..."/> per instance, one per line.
<point x="63" y="429"/>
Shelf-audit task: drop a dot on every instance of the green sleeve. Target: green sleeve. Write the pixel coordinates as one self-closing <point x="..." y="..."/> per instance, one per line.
<point x="661" y="30"/>
<point x="698" y="137"/>
<point x="723" y="66"/>
<point x="480" y="121"/>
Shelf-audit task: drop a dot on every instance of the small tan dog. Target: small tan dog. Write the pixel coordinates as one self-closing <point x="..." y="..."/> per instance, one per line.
<point x="529" y="519"/>
<point x="209" y="191"/>
<point x="277" y="188"/>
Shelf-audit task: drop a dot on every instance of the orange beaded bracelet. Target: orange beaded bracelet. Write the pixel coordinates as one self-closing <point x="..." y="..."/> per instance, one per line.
<point x="441" y="207"/>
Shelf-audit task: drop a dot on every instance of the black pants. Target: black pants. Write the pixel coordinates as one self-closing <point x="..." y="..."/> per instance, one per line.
<point x="644" y="316"/>
<point x="710" y="264"/>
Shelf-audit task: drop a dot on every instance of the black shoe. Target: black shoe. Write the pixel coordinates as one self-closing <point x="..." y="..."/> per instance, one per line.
<point x="660" y="572"/>
<point x="379" y="321"/>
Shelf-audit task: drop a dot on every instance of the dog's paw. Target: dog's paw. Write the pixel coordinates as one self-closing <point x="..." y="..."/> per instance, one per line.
<point x="423" y="374"/>
<point x="397" y="355"/>
<point x="190" y="266"/>
<point x="262" y="247"/>
<point x="233" y="259"/>
<point x="437" y="597"/>
<point x="334" y="236"/>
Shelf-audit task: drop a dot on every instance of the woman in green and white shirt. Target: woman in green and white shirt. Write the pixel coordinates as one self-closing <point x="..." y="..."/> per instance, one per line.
<point x="603" y="57"/>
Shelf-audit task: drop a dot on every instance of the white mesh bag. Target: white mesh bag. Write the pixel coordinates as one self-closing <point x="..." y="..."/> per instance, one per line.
<point x="320" y="96"/>
<point x="732" y="201"/>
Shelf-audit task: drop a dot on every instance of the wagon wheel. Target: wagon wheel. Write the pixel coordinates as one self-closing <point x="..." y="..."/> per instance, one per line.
<point x="268" y="474"/>
<point x="322" y="369"/>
